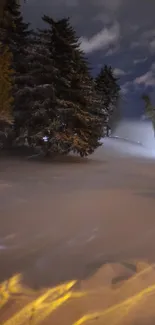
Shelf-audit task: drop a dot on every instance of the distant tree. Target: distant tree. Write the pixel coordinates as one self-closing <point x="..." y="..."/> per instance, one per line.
<point x="149" y="109"/>
<point x="116" y="115"/>
<point x="148" y="105"/>
<point x="109" y="90"/>
<point x="6" y="98"/>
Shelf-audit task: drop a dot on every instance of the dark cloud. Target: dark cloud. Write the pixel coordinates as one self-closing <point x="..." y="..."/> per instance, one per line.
<point x="116" y="32"/>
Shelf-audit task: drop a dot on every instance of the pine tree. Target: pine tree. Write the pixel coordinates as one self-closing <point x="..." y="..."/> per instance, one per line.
<point x="108" y="89"/>
<point x="14" y="33"/>
<point x="38" y="118"/>
<point x="80" y="121"/>
<point x="6" y="99"/>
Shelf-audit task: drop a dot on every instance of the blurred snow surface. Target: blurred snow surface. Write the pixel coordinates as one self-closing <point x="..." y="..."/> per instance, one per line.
<point x="134" y="138"/>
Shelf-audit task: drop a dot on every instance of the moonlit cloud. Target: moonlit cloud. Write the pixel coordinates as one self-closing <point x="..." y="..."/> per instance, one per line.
<point x="119" y="72"/>
<point x="125" y="88"/>
<point x="148" y="78"/>
<point x="102" y="40"/>
<point x="137" y="61"/>
<point x="146" y="40"/>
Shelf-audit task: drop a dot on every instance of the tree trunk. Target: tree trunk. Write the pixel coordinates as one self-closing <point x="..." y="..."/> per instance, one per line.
<point x="2" y="4"/>
<point x="107" y="130"/>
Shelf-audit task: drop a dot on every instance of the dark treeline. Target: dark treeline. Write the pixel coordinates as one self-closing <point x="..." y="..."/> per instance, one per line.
<point x="48" y="98"/>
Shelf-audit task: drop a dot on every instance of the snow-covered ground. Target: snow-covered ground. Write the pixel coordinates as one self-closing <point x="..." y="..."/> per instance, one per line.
<point x="132" y="138"/>
<point x="89" y="220"/>
<point x="136" y="131"/>
<point x="125" y="147"/>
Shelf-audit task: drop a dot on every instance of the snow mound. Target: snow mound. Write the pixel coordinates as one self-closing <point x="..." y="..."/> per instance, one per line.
<point x="126" y="148"/>
<point x="140" y="132"/>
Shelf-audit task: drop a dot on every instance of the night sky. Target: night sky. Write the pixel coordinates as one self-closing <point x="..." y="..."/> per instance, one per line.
<point x="116" y="32"/>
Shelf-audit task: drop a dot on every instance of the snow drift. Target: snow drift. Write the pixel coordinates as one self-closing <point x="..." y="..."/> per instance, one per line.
<point x="136" y="131"/>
